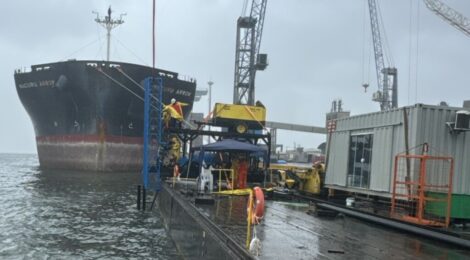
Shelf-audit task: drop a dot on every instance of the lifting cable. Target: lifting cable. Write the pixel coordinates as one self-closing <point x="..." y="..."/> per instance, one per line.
<point x="254" y="117"/>
<point x="364" y="41"/>
<point x="417" y="52"/>
<point x="140" y="86"/>
<point x="118" y="83"/>
<point x="410" y="47"/>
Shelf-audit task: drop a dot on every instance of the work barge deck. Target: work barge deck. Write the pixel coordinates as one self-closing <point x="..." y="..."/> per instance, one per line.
<point x="291" y="229"/>
<point x="287" y="231"/>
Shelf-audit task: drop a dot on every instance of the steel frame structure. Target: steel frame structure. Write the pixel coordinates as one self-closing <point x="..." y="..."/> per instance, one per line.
<point x="387" y="94"/>
<point x="249" y="32"/>
<point x="449" y="15"/>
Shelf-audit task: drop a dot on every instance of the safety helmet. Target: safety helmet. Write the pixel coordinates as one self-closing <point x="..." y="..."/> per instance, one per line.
<point x="173" y="101"/>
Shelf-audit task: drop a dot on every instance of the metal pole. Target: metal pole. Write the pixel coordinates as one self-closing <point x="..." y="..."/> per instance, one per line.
<point x="109" y="42"/>
<point x="210" y="105"/>
<point x="138" y="196"/>
<point x="144" y="201"/>
<point x="109" y="24"/>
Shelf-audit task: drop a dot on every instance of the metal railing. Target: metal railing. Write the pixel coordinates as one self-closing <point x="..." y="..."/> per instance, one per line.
<point x="232" y="175"/>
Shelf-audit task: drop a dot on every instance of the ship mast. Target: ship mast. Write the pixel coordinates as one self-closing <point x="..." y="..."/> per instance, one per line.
<point x="108" y="23"/>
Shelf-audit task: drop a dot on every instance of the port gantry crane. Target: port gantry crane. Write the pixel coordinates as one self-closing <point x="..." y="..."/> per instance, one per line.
<point x="449" y="15"/>
<point x="247" y="57"/>
<point x="387" y="95"/>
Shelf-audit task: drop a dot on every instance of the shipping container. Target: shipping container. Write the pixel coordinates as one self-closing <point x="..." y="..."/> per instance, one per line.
<point x="362" y="150"/>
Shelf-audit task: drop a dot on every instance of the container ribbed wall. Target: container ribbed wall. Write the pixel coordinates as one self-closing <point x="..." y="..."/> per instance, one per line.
<point x="338" y="159"/>
<point x="425" y="124"/>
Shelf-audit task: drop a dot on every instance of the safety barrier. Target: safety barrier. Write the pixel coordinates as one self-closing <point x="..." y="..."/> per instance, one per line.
<point x="232" y="177"/>
<point x="422" y="189"/>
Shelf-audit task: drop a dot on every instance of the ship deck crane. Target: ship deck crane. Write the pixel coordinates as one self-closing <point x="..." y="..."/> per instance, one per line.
<point x="247" y="57"/>
<point x="449" y="15"/>
<point x="387" y="95"/>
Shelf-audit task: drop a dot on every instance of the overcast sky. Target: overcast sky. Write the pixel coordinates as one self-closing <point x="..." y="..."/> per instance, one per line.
<point x="318" y="50"/>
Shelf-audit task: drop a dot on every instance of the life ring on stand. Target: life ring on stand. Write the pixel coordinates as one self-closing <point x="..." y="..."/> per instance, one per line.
<point x="258" y="205"/>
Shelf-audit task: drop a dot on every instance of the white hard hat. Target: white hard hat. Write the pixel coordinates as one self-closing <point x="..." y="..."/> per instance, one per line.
<point x="173" y="100"/>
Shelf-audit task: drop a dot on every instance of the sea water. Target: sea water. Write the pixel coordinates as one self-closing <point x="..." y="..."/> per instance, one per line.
<point x="74" y="215"/>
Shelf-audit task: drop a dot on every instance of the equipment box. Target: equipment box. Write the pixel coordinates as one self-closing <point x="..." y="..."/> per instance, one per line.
<point x="239" y="118"/>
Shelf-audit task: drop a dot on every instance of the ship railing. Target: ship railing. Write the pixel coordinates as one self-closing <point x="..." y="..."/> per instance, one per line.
<point x="33" y="68"/>
<point x="28" y="70"/>
<point x="228" y="181"/>
<point x="104" y="64"/>
<point x="187" y="78"/>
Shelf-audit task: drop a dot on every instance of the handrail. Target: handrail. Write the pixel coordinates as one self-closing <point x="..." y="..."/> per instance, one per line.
<point x="232" y="173"/>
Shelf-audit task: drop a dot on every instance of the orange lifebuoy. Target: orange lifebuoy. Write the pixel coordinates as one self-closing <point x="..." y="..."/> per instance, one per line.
<point x="258" y="205"/>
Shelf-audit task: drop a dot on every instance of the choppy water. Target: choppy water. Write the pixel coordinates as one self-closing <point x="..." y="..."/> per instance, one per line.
<point x="74" y="215"/>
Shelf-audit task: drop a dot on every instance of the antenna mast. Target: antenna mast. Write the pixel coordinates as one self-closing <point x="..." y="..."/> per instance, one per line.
<point x="108" y="23"/>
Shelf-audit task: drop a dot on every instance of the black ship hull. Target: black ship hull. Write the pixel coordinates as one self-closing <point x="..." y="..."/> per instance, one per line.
<point x="88" y="115"/>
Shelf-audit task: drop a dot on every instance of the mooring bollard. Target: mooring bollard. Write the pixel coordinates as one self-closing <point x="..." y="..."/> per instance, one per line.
<point x="144" y="195"/>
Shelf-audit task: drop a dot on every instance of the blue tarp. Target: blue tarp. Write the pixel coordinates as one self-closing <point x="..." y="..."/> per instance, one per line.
<point x="231" y="145"/>
<point x="228" y="145"/>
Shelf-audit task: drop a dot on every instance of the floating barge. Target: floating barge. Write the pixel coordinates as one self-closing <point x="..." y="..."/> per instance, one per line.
<point x="218" y="231"/>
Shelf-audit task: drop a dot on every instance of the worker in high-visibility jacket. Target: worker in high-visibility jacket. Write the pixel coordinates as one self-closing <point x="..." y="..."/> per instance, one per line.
<point x="173" y="116"/>
<point x="242" y="173"/>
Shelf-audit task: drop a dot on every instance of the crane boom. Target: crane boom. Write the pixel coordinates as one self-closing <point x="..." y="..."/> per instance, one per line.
<point x="377" y="41"/>
<point x="247" y="57"/>
<point x="387" y="94"/>
<point x="450" y="15"/>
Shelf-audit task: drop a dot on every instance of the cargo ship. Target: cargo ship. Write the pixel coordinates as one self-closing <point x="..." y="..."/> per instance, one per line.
<point x="88" y="115"/>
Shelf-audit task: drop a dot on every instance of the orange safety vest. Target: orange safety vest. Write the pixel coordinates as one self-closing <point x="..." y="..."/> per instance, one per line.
<point x="177" y="107"/>
<point x="242" y="172"/>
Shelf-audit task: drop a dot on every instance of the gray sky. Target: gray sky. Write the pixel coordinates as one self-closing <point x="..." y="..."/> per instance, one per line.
<point x="315" y="51"/>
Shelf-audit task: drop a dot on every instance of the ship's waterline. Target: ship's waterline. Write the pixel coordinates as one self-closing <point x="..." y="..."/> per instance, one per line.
<point x="91" y="155"/>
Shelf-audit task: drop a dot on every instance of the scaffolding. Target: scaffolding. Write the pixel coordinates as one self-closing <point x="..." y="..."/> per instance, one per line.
<point x="154" y="142"/>
<point x="422" y="188"/>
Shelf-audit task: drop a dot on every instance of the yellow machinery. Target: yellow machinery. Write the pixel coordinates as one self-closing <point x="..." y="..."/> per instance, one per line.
<point x="239" y="118"/>
<point x="304" y="179"/>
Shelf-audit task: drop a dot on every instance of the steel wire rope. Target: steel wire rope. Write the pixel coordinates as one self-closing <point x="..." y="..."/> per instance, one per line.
<point x="120" y="84"/>
<point x="130" y="51"/>
<point x="245" y="5"/>
<point x="80" y="49"/>
<point x="137" y="84"/>
<point x="99" y="40"/>
<point x="417" y="52"/>
<point x="364" y="40"/>
<point x="438" y="152"/>
<point x="410" y="46"/>
<point x="98" y="54"/>
<point x="133" y="81"/>
<point x="115" y="49"/>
